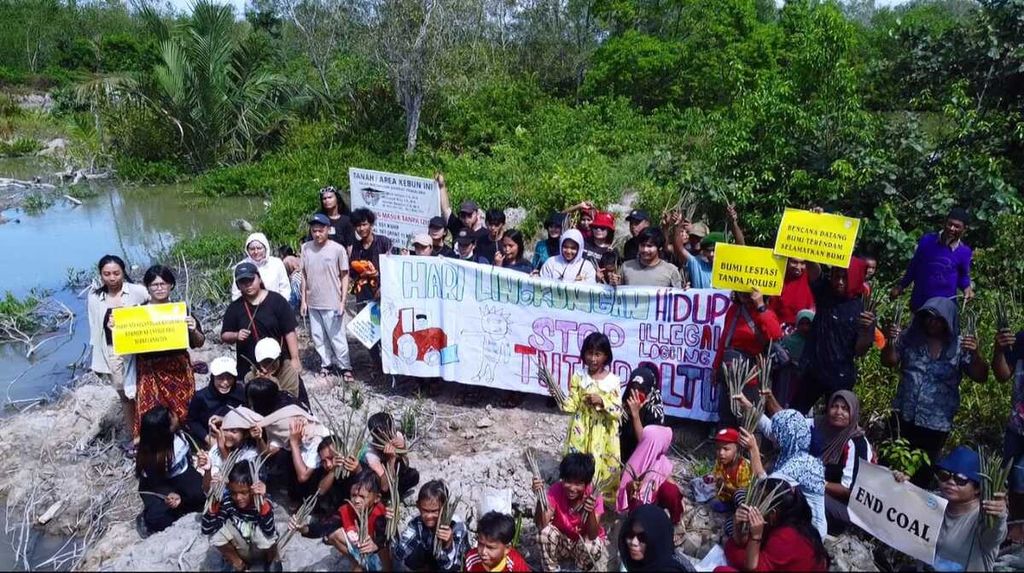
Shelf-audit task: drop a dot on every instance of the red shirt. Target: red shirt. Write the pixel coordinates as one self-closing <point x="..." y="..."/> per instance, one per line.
<point x="784" y="550"/>
<point x="796" y="296"/>
<point x="513" y="561"/>
<point x="348" y="517"/>
<point x="745" y="339"/>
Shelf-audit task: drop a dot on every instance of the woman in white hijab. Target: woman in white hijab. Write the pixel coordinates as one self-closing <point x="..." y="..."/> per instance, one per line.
<point x="272" y="270"/>
<point x="570" y="265"/>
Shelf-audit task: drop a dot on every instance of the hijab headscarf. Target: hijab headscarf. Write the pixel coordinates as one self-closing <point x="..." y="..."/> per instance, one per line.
<point x="261" y="239"/>
<point x="943" y="308"/>
<point x="660" y="551"/>
<point x="831" y="440"/>
<point x="559" y="268"/>
<point x="648" y="460"/>
<point x="793" y="437"/>
<point x="644" y="379"/>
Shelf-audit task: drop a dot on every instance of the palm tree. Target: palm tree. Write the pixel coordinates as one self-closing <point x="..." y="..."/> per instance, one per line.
<point x="209" y="86"/>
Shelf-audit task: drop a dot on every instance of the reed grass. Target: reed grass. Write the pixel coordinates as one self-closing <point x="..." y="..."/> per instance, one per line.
<point x="394" y="500"/>
<point x="542" y="496"/>
<point x="548" y="381"/>
<point x="995" y="475"/>
<point x="451" y="505"/>
<point x="762" y="498"/>
<point x="301" y="516"/>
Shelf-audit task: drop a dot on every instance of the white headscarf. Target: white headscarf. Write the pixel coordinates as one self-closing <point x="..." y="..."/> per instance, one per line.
<point x="560" y="269"/>
<point x="272" y="271"/>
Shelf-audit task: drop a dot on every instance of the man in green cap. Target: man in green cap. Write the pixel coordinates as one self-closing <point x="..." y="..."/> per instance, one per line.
<point x="699" y="266"/>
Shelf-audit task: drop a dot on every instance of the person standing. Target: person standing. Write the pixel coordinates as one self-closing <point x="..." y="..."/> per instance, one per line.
<point x="272" y="270"/>
<point x="325" y="276"/>
<point x="490" y="244"/>
<point x="465" y="245"/>
<point x="649" y="269"/>
<point x="638" y="220"/>
<point x="941" y="264"/>
<point x="841" y="332"/>
<point x="116" y="290"/>
<point x="339" y="227"/>
<point x="438" y="232"/>
<point x="932" y="356"/>
<point x="468" y="216"/>
<point x="547" y="248"/>
<point x="258" y="314"/>
<point x="368" y="248"/>
<point x="1008" y="366"/>
<point x="165" y="378"/>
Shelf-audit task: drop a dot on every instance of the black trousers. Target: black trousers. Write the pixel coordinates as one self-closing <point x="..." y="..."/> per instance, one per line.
<point x="931" y="441"/>
<point x="156" y="514"/>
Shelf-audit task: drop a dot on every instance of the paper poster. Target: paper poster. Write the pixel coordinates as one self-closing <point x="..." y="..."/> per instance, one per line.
<point x="821" y="238"/>
<point x="488" y="326"/>
<point x="150" y="328"/>
<point x="904" y="516"/>
<point x="366" y="325"/>
<point x="741" y="268"/>
<point x="403" y="204"/>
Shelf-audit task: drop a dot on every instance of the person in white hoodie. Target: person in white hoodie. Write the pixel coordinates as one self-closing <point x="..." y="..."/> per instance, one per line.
<point x="272" y="269"/>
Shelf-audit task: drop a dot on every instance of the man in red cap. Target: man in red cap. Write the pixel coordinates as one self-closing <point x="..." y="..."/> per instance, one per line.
<point x="732" y="471"/>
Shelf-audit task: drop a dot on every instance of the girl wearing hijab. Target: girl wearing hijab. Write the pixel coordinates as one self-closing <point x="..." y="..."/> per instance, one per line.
<point x="647" y="477"/>
<point x="841" y="332"/>
<point x="932" y="357"/>
<point x="645" y="542"/>
<point x="641" y="407"/>
<point x="791" y="433"/>
<point x="838" y="439"/>
<point x="784" y="539"/>
<point x="272" y="270"/>
<point x="570" y="265"/>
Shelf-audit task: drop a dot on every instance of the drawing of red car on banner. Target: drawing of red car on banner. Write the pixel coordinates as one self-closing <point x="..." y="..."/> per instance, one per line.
<point x="414" y="341"/>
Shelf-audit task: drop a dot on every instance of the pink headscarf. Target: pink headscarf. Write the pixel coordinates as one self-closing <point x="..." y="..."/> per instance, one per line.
<point x="649" y="457"/>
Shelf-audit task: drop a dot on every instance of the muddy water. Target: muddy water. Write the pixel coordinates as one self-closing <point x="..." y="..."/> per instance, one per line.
<point x="38" y="252"/>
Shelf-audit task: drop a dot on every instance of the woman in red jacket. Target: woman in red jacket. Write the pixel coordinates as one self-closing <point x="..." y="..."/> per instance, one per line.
<point x="782" y="540"/>
<point x="749" y="327"/>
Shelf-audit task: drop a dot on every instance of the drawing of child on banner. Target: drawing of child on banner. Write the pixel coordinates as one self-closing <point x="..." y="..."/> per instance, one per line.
<point x="497" y="350"/>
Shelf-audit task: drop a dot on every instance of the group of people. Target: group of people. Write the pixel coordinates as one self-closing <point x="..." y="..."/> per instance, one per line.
<point x="249" y="438"/>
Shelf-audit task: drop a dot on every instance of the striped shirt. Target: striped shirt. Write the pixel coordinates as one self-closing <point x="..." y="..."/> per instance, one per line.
<point x="245" y="520"/>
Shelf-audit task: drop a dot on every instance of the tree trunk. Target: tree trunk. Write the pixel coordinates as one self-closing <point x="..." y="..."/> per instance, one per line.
<point x="413" y="104"/>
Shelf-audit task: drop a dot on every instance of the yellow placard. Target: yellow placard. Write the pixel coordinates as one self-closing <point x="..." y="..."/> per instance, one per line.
<point x="150" y="328"/>
<point x="821" y="238"/>
<point x="742" y="268"/>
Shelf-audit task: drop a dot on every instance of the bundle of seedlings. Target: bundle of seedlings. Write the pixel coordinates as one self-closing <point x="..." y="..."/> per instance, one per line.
<point x="216" y="493"/>
<point x="763" y="498"/>
<point x="1004" y="311"/>
<point x="752" y="416"/>
<point x="394" y="500"/>
<point x="381" y="437"/>
<point x="363" y="527"/>
<point x="451" y="504"/>
<point x="255" y="466"/>
<point x="301" y="517"/>
<point x="347" y="437"/>
<point x="548" y="381"/>
<point x="737" y="373"/>
<point x="764" y="369"/>
<point x="994" y="476"/>
<point x="542" y="496"/>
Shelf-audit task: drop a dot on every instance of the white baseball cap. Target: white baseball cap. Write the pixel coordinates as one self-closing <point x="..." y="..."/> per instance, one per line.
<point x="267" y="349"/>
<point x="224" y="365"/>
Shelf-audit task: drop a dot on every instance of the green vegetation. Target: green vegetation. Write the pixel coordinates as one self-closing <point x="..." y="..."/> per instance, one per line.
<point x="889" y="114"/>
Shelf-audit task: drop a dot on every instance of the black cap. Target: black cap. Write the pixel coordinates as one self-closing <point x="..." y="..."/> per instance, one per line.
<point x="246" y="271"/>
<point x="465" y="237"/>
<point x="637" y="215"/>
<point x="959" y="214"/>
<point x="468" y="206"/>
<point x="436" y="223"/>
<point x="555" y="219"/>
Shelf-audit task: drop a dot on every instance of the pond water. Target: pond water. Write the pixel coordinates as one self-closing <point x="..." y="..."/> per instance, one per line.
<point x="39" y="251"/>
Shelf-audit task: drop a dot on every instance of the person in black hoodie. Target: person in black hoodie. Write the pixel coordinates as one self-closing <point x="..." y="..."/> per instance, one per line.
<point x="645" y="542"/>
<point x="217" y="399"/>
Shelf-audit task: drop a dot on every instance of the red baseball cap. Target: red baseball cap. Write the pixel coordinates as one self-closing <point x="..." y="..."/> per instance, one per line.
<point x="728" y="436"/>
<point x="605" y="220"/>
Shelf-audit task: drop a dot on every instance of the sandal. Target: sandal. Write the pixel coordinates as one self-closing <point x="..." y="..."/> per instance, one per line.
<point x="347" y="377"/>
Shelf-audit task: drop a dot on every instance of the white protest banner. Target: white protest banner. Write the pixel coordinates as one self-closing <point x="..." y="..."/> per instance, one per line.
<point x="488" y="326"/>
<point x="366" y="325"/>
<point x="403" y="204"/>
<point x="904" y="516"/>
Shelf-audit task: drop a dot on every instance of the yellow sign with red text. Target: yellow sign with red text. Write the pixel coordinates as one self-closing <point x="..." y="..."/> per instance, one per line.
<point x="150" y="328"/>
<point x="817" y="237"/>
<point x="742" y="269"/>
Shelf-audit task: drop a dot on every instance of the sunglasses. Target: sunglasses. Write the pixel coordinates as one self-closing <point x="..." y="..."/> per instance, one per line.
<point x="641" y="536"/>
<point x="945" y="475"/>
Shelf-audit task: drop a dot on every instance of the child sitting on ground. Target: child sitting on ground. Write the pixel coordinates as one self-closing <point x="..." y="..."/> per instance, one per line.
<point x="168" y="483"/>
<point x="571" y="527"/>
<point x="494" y="551"/>
<point x="415" y="547"/>
<point x="369" y="551"/>
<point x="732" y="471"/>
<point x="382" y="428"/>
<point x="242" y="532"/>
<point x="231" y="434"/>
<point x="597" y="410"/>
<point x="331" y="492"/>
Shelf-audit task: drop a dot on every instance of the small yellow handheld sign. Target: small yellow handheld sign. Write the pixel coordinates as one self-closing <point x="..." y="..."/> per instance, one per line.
<point x="150" y="328"/>
<point x="821" y="238"/>
<point x="742" y="268"/>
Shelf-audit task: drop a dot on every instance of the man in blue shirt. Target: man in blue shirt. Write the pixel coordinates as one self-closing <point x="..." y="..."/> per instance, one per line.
<point x="941" y="264"/>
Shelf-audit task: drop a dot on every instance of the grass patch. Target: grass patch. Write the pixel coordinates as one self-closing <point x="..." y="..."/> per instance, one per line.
<point x="20" y="145"/>
<point x="36" y="203"/>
